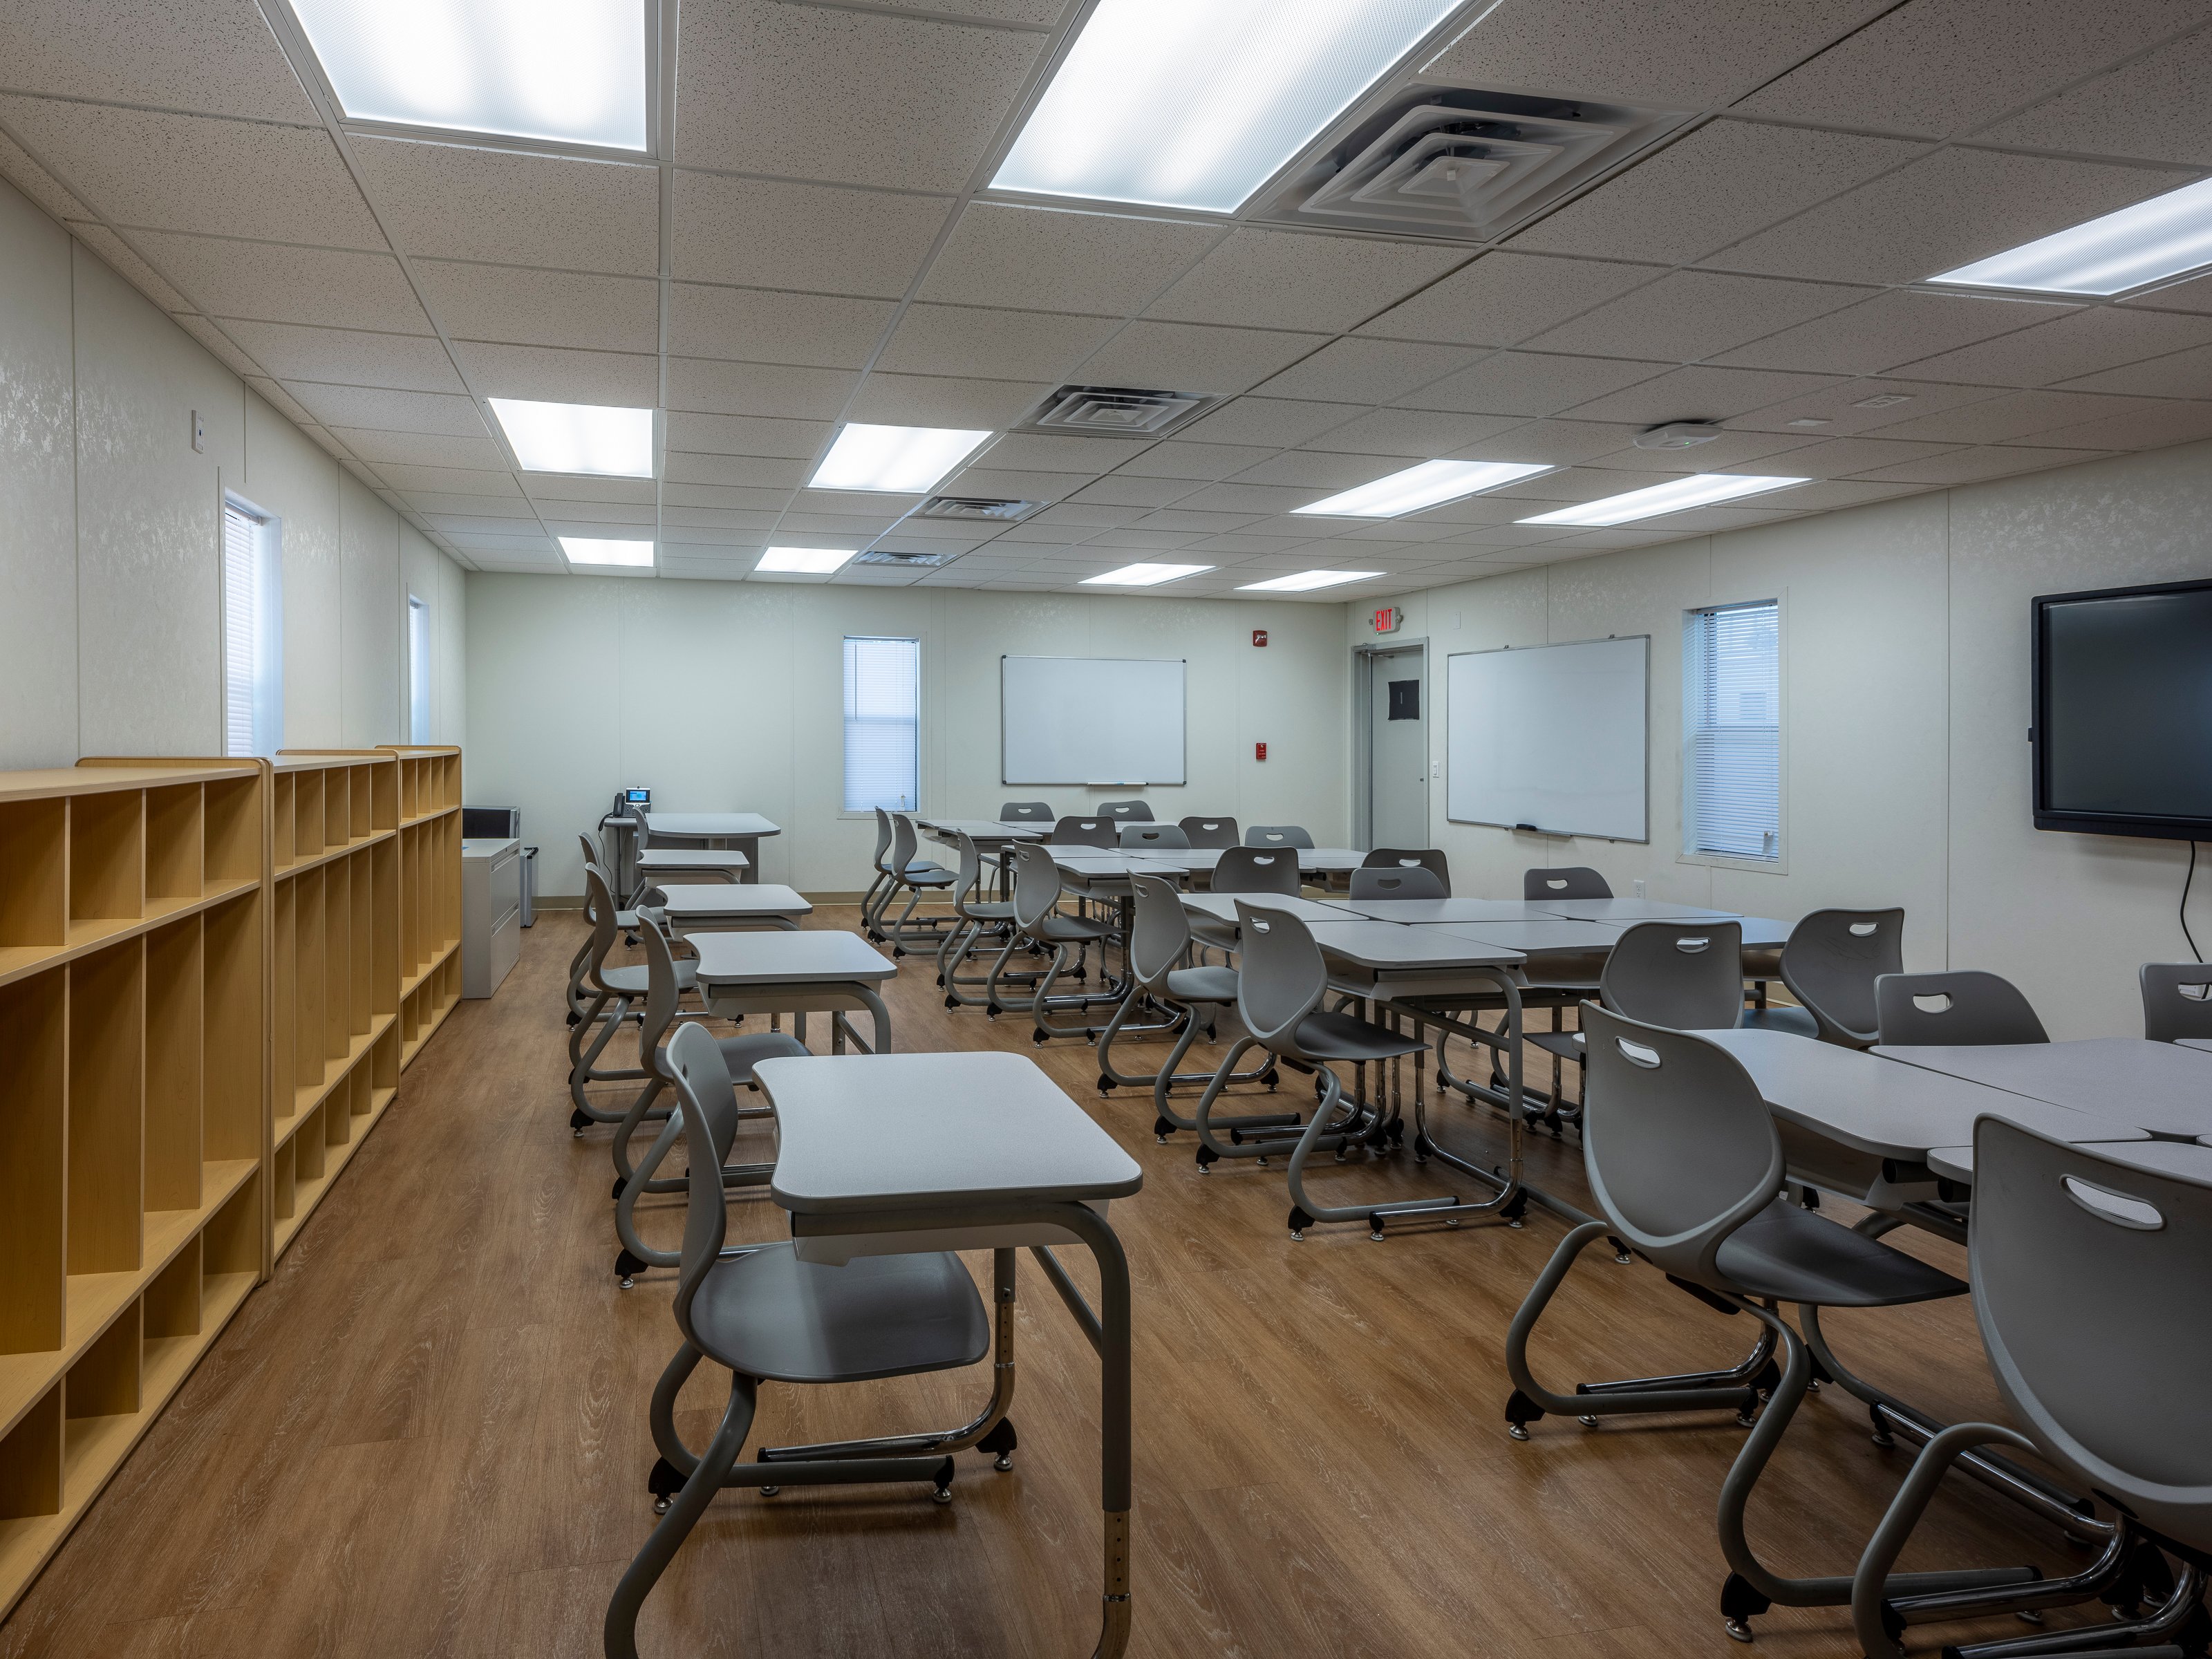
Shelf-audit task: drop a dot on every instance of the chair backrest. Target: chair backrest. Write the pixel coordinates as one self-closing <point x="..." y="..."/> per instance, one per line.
<point x="1165" y="837"/>
<point x="1831" y="963"/>
<point x="1963" y="1006"/>
<point x="905" y="843"/>
<point x="1037" y="882"/>
<point x="1126" y="811"/>
<point x="1429" y="859"/>
<point x="1159" y="930"/>
<point x="1210" y="832"/>
<point x="1685" y="976"/>
<point x="1277" y="834"/>
<point x="1026" y="811"/>
<point x="1575" y="881"/>
<point x="1680" y="1148"/>
<point x="2170" y="1012"/>
<point x="1256" y="870"/>
<point x="661" y="996"/>
<point x="2083" y="1267"/>
<point x="599" y="910"/>
<point x="1388" y="882"/>
<point x="968" y="884"/>
<point x="1082" y="832"/>
<point x="708" y="1101"/>
<point x="1280" y="976"/>
<point x="590" y="843"/>
<point x="883" y="865"/>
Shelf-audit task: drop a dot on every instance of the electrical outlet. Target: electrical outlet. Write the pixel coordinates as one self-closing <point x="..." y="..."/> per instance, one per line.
<point x="1436" y="773"/>
<point x="1639" y="887"/>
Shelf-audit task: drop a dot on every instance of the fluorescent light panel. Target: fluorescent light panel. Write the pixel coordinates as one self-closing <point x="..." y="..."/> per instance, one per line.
<point x="805" y="560"/>
<point x="1426" y="485"/>
<point x="565" y="72"/>
<point x="2138" y="246"/>
<point x="904" y="460"/>
<point x="593" y="549"/>
<point x="588" y="438"/>
<point x="1306" y="580"/>
<point x="1197" y="105"/>
<point x="1143" y="575"/>
<point x="1677" y="495"/>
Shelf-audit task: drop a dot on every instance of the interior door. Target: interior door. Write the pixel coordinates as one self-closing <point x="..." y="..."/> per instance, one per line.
<point x="1398" y="749"/>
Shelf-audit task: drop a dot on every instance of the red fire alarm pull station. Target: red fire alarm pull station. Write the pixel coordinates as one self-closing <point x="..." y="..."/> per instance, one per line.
<point x="1259" y="637"/>
<point x="1259" y="751"/>
<point x="1387" y="618"/>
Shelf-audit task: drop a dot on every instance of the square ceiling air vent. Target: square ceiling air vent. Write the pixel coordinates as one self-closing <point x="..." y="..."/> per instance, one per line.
<point x="917" y="560"/>
<point x="993" y="509"/>
<point x="1115" y="410"/>
<point x="1436" y="161"/>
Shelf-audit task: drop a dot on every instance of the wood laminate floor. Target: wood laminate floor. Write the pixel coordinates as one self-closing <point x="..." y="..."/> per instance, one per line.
<point x="426" y="1434"/>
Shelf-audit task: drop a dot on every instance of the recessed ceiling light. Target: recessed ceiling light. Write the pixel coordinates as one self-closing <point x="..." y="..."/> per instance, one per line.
<point x="903" y="460"/>
<point x="573" y="73"/>
<point x="2138" y="246"/>
<point x="586" y="438"/>
<point x="593" y="549"/>
<point x="1426" y="485"/>
<point x="805" y="560"/>
<point x="1198" y="105"/>
<point x="1143" y="575"/>
<point x="1676" y="495"/>
<point x="1809" y="420"/>
<point x="1306" y="580"/>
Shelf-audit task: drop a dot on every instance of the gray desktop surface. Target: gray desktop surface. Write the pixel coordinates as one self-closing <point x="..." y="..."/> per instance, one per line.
<point x="820" y="956"/>
<point x="2160" y="1086"/>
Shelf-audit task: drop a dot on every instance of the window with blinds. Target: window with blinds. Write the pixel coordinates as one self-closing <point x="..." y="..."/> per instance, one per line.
<point x="251" y="682"/>
<point x="418" y="670"/>
<point x="883" y="724"/>
<point x="1732" y="731"/>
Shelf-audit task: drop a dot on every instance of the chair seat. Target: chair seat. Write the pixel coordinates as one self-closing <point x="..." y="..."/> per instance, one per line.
<point x="1202" y="985"/>
<point x="632" y="982"/>
<point x="1567" y="1045"/>
<point x="1780" y="1017"/>
<point x="1067" y="930"/>
<point x="740" y="1053"/>
<point x="626" y="920"/>
<point x="1339" y="1036"/>
<point x="988" y="912"/>
<point x="1800" y="1256"/>
<point x="771" y="1316"/>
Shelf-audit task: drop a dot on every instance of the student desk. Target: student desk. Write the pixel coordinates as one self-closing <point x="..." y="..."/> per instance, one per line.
<point x="1424" y="912"/>
<point x="1222" y="907"/>
<point x="1626" y="910"/>
<point x="743" y="830"/>
<point x="2191" y="1159"/>
<point x="719" y="908"/>
<point x="797" y="973"/>
<point x="690" y="864"/>
<point x="1312" y="860"/>
<point x="891" y="1153"/>
<point x="2159" y="1086"/>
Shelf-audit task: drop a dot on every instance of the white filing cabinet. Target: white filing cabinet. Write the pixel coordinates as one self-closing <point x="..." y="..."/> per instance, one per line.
<point x="491" y="912"/>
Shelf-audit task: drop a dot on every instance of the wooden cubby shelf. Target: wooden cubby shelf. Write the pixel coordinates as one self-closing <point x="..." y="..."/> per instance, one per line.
<point x="212" y="973"/>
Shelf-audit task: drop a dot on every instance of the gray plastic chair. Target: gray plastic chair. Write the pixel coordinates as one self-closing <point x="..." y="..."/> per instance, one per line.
<point x="2170" y="1013"/>
<point x="1083" y="832"/>
<point x="615" y="996"/>
<point x="1163" y="838"/>
<point x="1574" y="882"/>
<point x="1245" y="870"/>
<point x="2085" y="1268"/>
<point x="579" y="995"/>
<point x="1680" y="975"/>
<point x="915" y="876"/>
<point x="1392" y="882"/>
<point x="767" y="1316"/>
<point x="974" y="918"/>
<point x="889" y="875"/>
<point x="1126" y="811"/>
<point x="1277" y="835"/>
<point x="1409" y="858"/>
<point x="1970" y="1006"/>
<point x="1687" y="1166"/>
<point x="1830" y="965"/>
<point x="1036" y="891"/>
<point x="1210" y="832"/>
<point x="1026" y="811"/>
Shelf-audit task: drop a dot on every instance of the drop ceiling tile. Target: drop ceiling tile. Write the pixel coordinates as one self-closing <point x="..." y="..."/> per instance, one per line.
<point x="2154" y="108"/>
<point x="552" y="490"/>
<point x="740" y="435"/>
<point x="1838" y="407"/>
<point x="943" y="400"/>
<point x="856" y="503"/>
<point x="1082" y="517"/>
<point x="2183" y="375"/>
<point x="773" y="389"/>
<point x="1938" y="67"/>
<point x="132" y="269"/>
<point x="1045" y="452"/>
<point x="733" y="472"/>
<point x="1241" y="546"/>
<point x="2079" y="344"/>
<point x="161" y="172"/>
<point x="767" y="325"/>
<point x="210" y="57"/>
<point x="1016" y="486"/>
<point x="1162" y="541"/>
<point x="584" y="518"/>
<point x="1247" y="498"/>
<point x="451" y="202"/>
<point x="2146" y="426"/>
<point x="1943" y="211"/>
<point x="504" y="549"/>
<point x="1420" y="433"/>
<point x="225" y="349"/>
<point x="1831" y="494"/>
<point x="1724" y="181"/>
<point x="1728" y="452"/>
<point x="1179" y="458"/>
<point x="1399" y="532"/>
<point x="514" y="306"/>
<point x="1316" y="470"/>
<point x="2193" y="294"/>
<point x="1895" y="327"/>
<point x="1128" y="489"/>
<point x="1556" y="443"/>
<point x="482" y="523"/>
<point x="450" y="480"/>
<point x="1839" y="457"/>
<point x="35" y="182"/>
<point x="1687" y="57"/>
<point x="996" y="344"/>
<point x="674" y="568"/>
<point x="1690" y="314"/>
<point x="1530" y="384"/>
<point x="1182" y="520"/>
<point x="1963" y="466"/>
<point x="715" y="495"/>
<point x="1998" y="418"/>
<point x="1195" y="357"/>
<point x="848" y="96"/>
<point x="387" y="411"/>
<point x="1044" y="260"/>
<point x="1699" y="393"/>
<point x="1504" y="297"/>
<point x="853" y="526"/>
<point x="1511" y="535"/>
<point x="1491" y="507"/>
<point x="721" y="541"/>
<point x="1579" y="483"/>
<point x="625" y="379"/>
<point x="1367" y="371"/>
<point x="1269" y="421"/>
<point x="271" y="282"/>
<point x="400" y="362"/>
<point x="1293" y="280"/>
<point x="767" y="234"/>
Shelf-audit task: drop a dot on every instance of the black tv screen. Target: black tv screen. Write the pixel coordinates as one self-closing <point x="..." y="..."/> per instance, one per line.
<point x="2123" y="711"/>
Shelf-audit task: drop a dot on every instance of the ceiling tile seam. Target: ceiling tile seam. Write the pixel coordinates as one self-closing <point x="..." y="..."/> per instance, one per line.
<point x="505" y="144"/>
<point x="155" y="109"/>
<point x="912" y="14"/>
<point x="2110" y="66"/>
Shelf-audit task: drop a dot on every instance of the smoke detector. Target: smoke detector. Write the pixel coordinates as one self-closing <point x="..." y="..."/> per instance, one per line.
<point x="918" y="561"/>
<point x="1123" y="412"/>
<point x="1678" y="435"/>
<point x="993" y="509"/>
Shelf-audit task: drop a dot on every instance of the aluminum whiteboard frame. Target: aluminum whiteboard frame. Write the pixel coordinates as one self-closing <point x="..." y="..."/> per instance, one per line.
<point x="1644" y="840"/>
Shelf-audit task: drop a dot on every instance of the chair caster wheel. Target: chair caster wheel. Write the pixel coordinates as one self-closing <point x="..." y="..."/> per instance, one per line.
<point x="1039" y="1038"/>
<point x="1451" y="1221"/>
<point x="1105" y="1083"/>
<point x="1517" y="1430"/>
<point x="1261" y="1161"/>
<point x="1376" y="1238"/>
<point x="770" y="1492"/>
<point x="1744" y="1420"/>
<point x="627" y="1283"/>
<point x="941" y="1495"/>
<point x="2028" y="1616"/>
<point x="952" y="1002"/>
<point x="940" y="979"/>
<point x="1587" y="1422"/>
<point x="1297" y="1236"/>
<point x="1883" y="1441"/>
<point x="574" y="1019"/>
<point x="660" y="1505"/>
<point x="1737" y="1629"/>
<point x="1002" y="1462"/>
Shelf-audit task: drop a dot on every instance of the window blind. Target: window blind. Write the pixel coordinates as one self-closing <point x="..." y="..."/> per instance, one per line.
<point x="241" y="629"/>
<point x="883" y="724"/>
<point x="1732" y="731"/>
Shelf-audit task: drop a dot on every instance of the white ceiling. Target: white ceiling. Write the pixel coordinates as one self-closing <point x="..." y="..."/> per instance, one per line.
<point x="813" y="242"/>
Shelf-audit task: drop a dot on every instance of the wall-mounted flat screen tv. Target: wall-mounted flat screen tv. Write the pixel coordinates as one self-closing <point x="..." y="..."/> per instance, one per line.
<point x="2122" y="729"/>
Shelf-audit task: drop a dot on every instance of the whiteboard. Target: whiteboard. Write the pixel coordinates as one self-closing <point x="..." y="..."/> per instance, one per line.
<point x="1090" y="719"/>
<point x="1552" y="736"/>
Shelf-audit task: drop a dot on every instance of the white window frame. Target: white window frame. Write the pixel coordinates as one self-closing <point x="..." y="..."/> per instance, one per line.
<point x="1692" y="621"/>
<point x="846" y="721"/>
<point x="253" y="630"/>
<point x="418" y="670"/>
